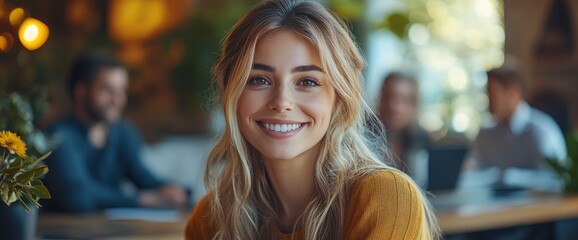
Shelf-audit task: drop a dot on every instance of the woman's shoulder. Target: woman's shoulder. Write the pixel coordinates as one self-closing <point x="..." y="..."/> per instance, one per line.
<point x="386" y="180"/>
<point x="198" y="225"/>
<point x="385" y="203"/>
<point x="389" y="187"/>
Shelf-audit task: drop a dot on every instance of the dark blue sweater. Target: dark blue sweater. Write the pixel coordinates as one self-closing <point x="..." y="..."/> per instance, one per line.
<point x="82" y="178"/>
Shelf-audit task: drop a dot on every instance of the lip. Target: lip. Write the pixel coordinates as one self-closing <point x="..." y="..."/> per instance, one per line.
<point x="280" y="121"/>
<point x="280" y="135"/>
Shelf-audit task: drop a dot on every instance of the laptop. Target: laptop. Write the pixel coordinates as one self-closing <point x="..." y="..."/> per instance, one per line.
<point x="444" y="167"/>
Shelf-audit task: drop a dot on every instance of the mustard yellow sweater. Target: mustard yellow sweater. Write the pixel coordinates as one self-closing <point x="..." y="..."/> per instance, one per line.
<point x="383" y="205"/>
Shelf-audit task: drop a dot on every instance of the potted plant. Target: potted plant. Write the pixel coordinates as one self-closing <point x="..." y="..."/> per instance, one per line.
<point x="19" y="182"/>
<point x="20" y="171"/>
<point x="20" y="174"/>
<point x="568" y="170"/>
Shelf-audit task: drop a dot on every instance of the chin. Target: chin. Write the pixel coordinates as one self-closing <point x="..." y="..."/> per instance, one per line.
<point x="278" y="155"/>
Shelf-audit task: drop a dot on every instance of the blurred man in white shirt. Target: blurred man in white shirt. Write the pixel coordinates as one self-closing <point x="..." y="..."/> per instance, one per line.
<point x="520" y="138"/>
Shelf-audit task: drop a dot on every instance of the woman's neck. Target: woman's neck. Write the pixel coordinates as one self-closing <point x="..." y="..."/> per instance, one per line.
<point x="292" y="180"/>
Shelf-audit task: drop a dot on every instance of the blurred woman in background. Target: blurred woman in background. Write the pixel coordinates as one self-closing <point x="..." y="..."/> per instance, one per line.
<point x="398" y="106"/>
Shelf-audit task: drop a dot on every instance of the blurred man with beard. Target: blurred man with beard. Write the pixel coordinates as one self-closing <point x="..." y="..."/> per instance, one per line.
<point x="509" y="154"/>
<point x="97" y="150"/>
<point x="520" y="137"/>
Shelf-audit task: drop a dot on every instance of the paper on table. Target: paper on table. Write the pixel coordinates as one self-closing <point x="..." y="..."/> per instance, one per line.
<point x="144" y="214"/>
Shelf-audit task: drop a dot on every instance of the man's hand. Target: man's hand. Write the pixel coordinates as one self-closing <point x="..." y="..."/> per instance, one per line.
<point x="164" y="196"/>
<point x="174" y="195"/>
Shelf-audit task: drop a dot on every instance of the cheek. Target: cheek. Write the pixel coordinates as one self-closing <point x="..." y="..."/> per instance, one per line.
<point x="492" y="98"/>
<point x="319" y="106"/>
<point x="383" y="106"/>
<point x="249" y="103"/>
<point x="98" y="98"/>
<point x="121" y="98"/>
<point x="410" y="107"/>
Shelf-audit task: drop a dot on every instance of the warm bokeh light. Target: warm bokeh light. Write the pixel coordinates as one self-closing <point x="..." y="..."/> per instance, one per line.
<point x="133" y="54"/>
<point x="3" y="44"/>
<point x="138" y="20"/>
<point x="33" y="34"/>
<point x="6" y="41"/>
<point x="134" y="20"/>
<point x="80" y="15"/>
<point x="30" y="33"/>
<point x="16" y="16"/>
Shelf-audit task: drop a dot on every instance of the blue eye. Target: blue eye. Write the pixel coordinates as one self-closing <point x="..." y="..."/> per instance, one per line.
<point x="258" y="81"/>
<point x="309" y="83"/>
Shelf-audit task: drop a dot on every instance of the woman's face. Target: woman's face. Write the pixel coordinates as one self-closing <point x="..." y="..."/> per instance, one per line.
<point x="398" y="104"/>
<point x="285" y="108"/>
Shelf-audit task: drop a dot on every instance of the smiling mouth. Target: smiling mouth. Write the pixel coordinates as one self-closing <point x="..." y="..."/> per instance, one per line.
<point x="276" y="127"/>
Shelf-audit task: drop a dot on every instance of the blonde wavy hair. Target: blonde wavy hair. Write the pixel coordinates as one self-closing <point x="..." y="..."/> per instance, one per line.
<point x="242" y="200"/>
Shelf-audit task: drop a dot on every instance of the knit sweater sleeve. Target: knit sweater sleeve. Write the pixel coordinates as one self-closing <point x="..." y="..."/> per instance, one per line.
<point x="385" y="205"/>
<point x="198" y="225"/>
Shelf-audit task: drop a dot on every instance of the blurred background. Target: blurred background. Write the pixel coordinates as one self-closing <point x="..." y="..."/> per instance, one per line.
<point x="170" y="46"/>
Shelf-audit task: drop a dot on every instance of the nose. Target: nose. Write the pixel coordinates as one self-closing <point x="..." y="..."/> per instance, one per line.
<point x="282" y="100"/>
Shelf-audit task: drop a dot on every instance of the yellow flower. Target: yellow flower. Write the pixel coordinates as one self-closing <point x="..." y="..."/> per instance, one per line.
<point x="13" y="143"/>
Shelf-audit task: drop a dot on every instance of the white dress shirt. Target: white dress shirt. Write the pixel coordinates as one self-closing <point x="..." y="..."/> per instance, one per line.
<point x="521" y="145"/>
<point x="530" y="136"/>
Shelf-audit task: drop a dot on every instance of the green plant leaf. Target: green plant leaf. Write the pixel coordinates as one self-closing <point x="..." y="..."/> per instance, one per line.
<point x="33" y="200"/>
<point x="40" y="191"/>
<point x="10" y="197"/>
<point x="556" y="166"/>
<point x="40" y="171"/>
<point x="11" y="171"/>
<point x="36" y="182"/>
<point x="24" y="205"/>
<point x="568" y="170"/>
<point x="398" y="23"/>
<point x="15" y="163"/>
<point x="5" y="196"/>
<point x="572" y="146"/>
<point x="46" y="155"/>
<point x="25" y="177"/>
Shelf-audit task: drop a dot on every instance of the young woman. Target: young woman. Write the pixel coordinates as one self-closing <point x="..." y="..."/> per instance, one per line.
<point x="296" y="160"/>
<point x="397" y="108"/>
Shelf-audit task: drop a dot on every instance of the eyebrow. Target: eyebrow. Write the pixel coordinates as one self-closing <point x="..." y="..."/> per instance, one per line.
<point x="304" y="68"/>
<point x="307" y="68"/>
<point x="267" y="68"/>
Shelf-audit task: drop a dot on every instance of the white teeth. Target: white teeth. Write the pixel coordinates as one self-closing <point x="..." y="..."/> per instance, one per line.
<point x="281" y="127"/>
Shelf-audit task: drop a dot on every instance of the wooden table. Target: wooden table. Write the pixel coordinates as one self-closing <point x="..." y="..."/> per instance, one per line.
<point x="458" y="212"/>
<point x="469" y="211"/>
<point x="98" y="226"/>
